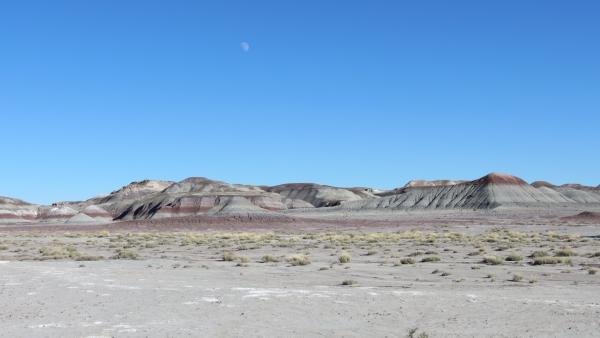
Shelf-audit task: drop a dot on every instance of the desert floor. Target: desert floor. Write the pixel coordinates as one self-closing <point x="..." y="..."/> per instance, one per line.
<point x="446" y="281"/>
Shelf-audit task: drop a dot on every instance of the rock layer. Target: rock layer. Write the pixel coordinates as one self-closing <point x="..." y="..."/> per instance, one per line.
<point x="488" y="192"/>
<point x="199" y="196"/>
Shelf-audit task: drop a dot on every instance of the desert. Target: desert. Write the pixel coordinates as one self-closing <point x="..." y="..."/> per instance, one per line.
<point x="314" y="168"/>
<point x="493" y="257"/>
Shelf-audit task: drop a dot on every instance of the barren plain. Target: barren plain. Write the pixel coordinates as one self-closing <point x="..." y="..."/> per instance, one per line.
<point x="478" y="276"/>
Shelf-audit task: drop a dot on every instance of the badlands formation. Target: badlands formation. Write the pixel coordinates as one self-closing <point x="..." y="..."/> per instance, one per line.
<point x="199" y="197"/>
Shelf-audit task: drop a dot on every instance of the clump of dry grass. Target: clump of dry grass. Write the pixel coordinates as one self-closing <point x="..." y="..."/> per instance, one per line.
<point x="269" y="259"/>
<point x="513" y="257"/>
<point x="492" y="260"/>
<point x="344" y="258"/>
<point x="551" y="260"/>
<point x="537" y="254"/>
<point x="349" y="282"/>
<point x="412" y="333"/>
<point x="516" y="278"/>
<point x="565" y="252"/>
<point x="228" y="256"/>
<point x="125" y="254"/>
<point x="85" y="258"/>
<point x="296" y="260"/>
<point x="103" y="233"/>
<point x="408" y="260"/>
<point x="430" y="259"/>
<point x="58" y="252"/>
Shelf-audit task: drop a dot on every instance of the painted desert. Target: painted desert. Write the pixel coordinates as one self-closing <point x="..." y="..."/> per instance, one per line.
<point x="494" y="256"/>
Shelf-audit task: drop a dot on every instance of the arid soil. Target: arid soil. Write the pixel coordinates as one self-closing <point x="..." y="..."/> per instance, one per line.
<point x="441" y="279"/>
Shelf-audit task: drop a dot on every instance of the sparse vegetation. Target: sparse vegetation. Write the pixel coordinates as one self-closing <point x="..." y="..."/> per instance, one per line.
<point x="229" y="256"/>
<point x="516" y="278"/>
<point x="349" y="282"/>
<point x="59" y="252"/>
<point x="430" y="259"/>
<point x="537" y="254"/>
<point x="565" y="252"/>
<point x="269" y="259"/>
<point x="344" y="258"/>
<point x="412" y="333"/>
<point x="551" y="260"/>
<point x="125" y="254"/>
<point x="513" y="257"/>
<point x="296" y="260"/>
<point x="492" y="260"/>
<point x="89" y="258"/>
<point x="408" y="260"/>
<point x="244" y="259"/>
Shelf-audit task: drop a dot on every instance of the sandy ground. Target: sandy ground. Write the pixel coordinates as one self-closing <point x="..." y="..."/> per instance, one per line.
<point x="209" y="283"/>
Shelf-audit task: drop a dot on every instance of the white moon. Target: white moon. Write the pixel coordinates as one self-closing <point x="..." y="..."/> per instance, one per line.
<point x="245" y="46"/>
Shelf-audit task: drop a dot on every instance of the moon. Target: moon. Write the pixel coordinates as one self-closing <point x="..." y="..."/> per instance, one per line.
<point x="245" y="46"/>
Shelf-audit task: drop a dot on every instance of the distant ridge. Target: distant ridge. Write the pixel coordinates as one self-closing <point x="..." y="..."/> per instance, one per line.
<point x="433" y="183"/>
<point x="488" y="192"/>
<point x="201" y="196"/>
<point x="539" y="184"/>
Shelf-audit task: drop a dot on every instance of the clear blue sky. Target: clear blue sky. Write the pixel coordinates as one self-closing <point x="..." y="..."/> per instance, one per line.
<point x="95" y="94"/>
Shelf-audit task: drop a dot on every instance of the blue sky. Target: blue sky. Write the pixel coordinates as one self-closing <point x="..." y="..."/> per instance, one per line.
<point x="95" y="94"/>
